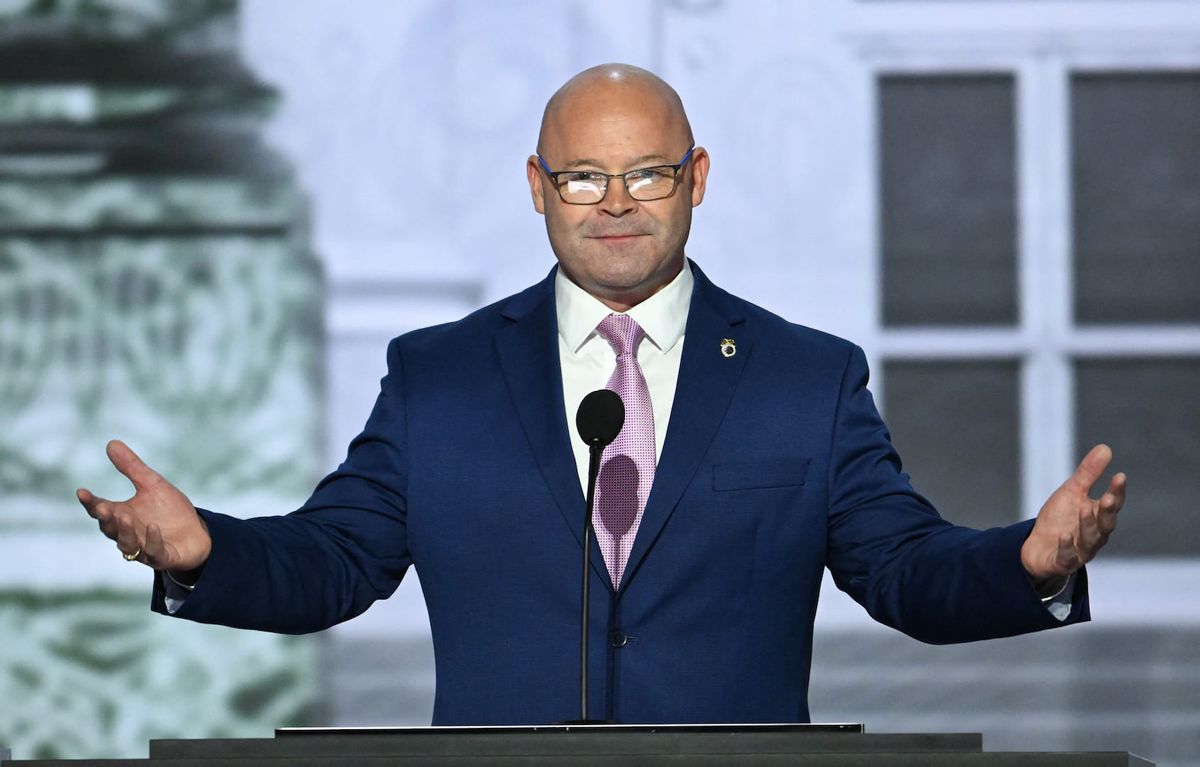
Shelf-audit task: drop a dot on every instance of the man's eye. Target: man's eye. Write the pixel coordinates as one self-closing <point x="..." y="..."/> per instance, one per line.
<point x="647" y="175"/>
<point x="580" y="176"/>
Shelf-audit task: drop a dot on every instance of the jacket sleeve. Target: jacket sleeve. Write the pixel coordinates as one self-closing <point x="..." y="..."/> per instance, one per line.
<point x="890" y="550"/>
<point x="327" y="561"/>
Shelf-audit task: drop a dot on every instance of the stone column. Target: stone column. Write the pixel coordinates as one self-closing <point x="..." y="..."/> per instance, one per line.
<point x="155" y="286"/>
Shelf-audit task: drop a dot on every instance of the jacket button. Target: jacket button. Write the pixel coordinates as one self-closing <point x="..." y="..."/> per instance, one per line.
<point x="618" y="639"/>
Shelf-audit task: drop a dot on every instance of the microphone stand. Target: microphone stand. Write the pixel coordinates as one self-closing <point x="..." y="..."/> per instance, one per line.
<point x="594" y="452"/>
<point x="599" y="420"/>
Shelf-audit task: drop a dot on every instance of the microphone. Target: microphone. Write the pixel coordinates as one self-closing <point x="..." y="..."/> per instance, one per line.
<point x="599" y="420"/>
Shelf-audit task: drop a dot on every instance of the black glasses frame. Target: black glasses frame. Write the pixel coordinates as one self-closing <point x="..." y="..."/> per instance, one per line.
<point x="554" y="174"/>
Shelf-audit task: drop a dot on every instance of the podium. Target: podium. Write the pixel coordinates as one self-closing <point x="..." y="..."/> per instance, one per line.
<point x="810" y="745"/>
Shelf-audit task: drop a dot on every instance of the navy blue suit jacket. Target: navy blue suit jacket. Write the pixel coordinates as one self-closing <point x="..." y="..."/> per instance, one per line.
<point x="776" y="465"/>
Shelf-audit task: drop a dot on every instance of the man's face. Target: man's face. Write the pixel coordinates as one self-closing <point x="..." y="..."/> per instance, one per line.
<point x="620" y="250"/>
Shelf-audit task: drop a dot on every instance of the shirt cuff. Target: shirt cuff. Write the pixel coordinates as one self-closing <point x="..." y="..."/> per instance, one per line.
<point x="1059" y="603"/>
<point x="174" y="592"/>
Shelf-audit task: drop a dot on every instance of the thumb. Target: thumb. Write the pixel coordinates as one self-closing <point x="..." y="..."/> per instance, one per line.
<point x="127" y="462"/>
<point x="1090" y="468"/>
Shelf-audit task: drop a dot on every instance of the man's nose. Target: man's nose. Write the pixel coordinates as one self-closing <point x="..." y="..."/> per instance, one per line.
<point x="617" y="201"/>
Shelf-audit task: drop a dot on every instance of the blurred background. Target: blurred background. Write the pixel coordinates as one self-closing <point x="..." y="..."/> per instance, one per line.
<point x="214" y="215"/>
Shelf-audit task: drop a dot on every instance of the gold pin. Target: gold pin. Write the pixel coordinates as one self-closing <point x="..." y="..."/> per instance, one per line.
<point x="728" y="347"/>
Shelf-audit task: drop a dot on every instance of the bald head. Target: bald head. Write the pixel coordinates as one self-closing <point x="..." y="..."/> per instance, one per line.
<point x="592" y="93"/>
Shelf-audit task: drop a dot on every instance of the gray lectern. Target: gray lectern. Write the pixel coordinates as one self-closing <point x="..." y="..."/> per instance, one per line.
<point x="815" y="745"/>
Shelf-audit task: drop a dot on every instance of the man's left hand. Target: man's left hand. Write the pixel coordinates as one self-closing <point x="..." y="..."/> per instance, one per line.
<point x="1071" y="527"/>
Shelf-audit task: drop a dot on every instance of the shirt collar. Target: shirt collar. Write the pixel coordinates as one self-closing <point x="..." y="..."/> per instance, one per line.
<point x="662" y="316"/>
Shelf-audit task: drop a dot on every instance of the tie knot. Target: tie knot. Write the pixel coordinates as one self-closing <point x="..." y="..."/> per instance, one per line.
<point x="622" y="333"/>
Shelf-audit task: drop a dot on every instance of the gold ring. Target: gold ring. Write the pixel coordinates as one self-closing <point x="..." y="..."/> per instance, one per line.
<point x="133" y="556"/>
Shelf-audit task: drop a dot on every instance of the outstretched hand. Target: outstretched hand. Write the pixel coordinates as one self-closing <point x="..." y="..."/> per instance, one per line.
<point x="1071" y="527"/>
<point x="158" y="526"/>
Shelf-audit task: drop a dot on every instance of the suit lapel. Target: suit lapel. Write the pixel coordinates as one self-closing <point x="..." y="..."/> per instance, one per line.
<point x="707" y="380"/>
<point x="528" y="351"/>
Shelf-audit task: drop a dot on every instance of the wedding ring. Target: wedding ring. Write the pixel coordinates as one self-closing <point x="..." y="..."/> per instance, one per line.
<point x="132" y="557"/>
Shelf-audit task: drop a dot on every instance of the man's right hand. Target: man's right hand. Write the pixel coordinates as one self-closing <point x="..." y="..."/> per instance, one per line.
<point x="158" y="526"/>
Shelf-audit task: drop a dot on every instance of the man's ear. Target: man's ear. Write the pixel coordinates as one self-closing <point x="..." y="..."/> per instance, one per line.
<point x="699" y="174"/>
<point x="533" y="171"/>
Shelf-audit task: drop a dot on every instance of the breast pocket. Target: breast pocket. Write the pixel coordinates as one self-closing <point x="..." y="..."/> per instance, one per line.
<point x="760" y="475"/>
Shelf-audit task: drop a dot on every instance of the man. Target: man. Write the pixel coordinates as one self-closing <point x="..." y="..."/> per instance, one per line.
<point x="751" y="458"/>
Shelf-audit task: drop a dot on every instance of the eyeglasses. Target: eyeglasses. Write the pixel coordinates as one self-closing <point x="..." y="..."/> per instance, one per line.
<point x="588" y="187"/>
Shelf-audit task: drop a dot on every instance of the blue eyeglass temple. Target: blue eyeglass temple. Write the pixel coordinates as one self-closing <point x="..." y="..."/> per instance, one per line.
<point x="677" y="165"/>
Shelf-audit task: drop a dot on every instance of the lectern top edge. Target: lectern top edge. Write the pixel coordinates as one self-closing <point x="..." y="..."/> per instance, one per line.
<point x="288" y="732"/>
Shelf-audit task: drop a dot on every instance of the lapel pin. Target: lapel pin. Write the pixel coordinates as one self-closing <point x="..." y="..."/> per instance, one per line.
<point x="728" y="347"/>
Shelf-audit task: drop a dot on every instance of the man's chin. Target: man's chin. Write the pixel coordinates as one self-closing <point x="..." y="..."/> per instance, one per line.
<point x="627" y="292"/>
<point x="623" y="277"/>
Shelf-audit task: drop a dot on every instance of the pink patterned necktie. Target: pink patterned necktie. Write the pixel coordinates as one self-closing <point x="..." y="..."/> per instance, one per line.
<point x="627" y="465"/>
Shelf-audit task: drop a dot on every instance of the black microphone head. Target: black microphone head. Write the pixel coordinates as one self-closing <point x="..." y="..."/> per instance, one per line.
<point x="600" y="417"/>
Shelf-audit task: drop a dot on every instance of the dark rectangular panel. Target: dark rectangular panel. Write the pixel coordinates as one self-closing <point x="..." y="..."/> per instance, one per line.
<point x="1148" y="411"/>
<point x="947" y="147"/>
<point x="957" y="427"/>
<point x="1136" y="176"/>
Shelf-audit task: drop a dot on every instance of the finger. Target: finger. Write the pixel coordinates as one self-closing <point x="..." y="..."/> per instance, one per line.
<point x="154" y="552"/>
<point x="1106" y="511"/>
<point x="1091" y="537"/>
<point x="104" y="512"/>
<point x="127" y="540"/>
<point x="1108" y="505"/>
<point x="1066" y="560"/>
<point x="94" y="505"/>
<point x="109" y="526"/>
<point x="128" y="463"/>
<point x="1107" y="522"/>
<point x="1116" y="492"/>
<point x="1090" y="468"/>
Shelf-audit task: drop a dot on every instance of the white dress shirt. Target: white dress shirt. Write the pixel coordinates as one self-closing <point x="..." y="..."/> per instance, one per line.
<point x="587" y="360"/>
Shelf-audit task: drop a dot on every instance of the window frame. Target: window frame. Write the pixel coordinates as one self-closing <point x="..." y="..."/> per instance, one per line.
<point x="1046" y="341"/>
